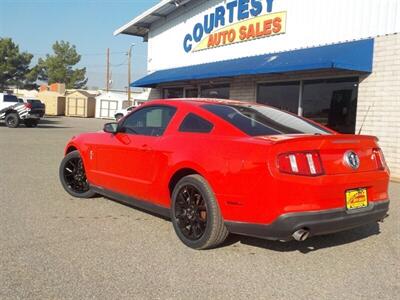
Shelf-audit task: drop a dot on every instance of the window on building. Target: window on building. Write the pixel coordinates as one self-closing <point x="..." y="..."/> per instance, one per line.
<point x="194" y="123"/>
<point x="191" y="93"/>
<point x="170" y="93"/>
<point x="220" y="91"/>
<point x="331" y="102"/>
<point x="282" y="95"/>
<point x="151" y="120"/>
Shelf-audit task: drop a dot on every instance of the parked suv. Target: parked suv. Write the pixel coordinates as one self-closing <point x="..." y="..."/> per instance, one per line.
<point x="14" y="111"/>
<point x="37" y="111"/>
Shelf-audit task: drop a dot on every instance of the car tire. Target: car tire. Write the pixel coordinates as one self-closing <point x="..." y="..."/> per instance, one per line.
<point x="195" y="210"/>
<point x="118" y="117"/>
<point x="28" y="123"/>
<point x="73" y="177"/>
<point x="31" y="123"/>
<point x="12" y="120"/>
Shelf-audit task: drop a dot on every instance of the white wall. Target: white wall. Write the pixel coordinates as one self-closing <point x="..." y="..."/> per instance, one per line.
<point x="309" y="23"/>
<point x="378" y="105"/>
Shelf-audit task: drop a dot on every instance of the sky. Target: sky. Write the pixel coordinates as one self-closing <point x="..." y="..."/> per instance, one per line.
<point x="88" y="24"/>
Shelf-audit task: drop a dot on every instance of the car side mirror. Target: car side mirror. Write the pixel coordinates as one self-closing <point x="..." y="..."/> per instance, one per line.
<point x="111" y="127"/>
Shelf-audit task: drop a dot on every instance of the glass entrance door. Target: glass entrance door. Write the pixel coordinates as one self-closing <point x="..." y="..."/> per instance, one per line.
<point x="332" y="102"/>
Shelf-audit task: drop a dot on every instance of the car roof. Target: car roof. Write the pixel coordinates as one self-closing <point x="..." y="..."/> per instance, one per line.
<point x="199" y="101"/>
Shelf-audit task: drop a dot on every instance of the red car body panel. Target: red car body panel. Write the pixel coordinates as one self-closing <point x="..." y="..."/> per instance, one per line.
<point x="241" y="170"/>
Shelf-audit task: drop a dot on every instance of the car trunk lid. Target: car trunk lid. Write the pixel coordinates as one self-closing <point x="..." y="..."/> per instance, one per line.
<point x="336" y="150"/>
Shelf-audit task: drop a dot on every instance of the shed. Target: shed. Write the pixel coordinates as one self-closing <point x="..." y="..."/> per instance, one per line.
<point x="80" y="104"/>
<point x="107" y="103"/>
<point x="54" y="101"/>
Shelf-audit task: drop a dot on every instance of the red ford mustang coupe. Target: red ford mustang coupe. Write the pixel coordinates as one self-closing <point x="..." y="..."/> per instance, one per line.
<point x="217" y="166"/>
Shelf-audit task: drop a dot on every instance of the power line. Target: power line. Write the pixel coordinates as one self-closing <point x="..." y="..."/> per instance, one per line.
<point x="89" y="54"/>
<point x="124" y="63"/>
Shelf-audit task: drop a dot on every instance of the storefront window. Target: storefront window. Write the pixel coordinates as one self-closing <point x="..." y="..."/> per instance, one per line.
<point x="191" y="93"/>
<point x="331" y="102"/>
<point x="170" y="93"/>
<point x="215" y="91"/>
<point x="282" y="95"/>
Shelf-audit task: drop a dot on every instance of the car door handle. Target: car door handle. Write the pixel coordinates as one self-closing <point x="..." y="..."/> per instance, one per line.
<point x="145" y="147"/>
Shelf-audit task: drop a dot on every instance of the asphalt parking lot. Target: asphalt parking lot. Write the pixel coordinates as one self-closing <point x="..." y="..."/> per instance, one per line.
<point x="54" y="246"/>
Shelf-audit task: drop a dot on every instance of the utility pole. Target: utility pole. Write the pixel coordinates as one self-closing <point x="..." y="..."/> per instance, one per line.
<point x="129" y="73"/>
<point x="108" y="70"/>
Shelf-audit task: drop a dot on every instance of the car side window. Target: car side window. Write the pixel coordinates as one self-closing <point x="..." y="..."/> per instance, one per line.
<point x="195" y="123"/>
<point x="10" y="98"/>
<point x="152" y="120"/>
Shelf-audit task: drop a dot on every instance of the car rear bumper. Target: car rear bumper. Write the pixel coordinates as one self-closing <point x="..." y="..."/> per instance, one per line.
<point x="34" y="115"/>
<point x="316" y="222"/>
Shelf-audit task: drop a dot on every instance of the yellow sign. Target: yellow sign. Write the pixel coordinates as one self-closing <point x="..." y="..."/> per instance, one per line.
<point x="256" y="28"/>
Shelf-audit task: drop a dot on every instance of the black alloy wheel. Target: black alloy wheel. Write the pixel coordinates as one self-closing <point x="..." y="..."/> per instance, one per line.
<point x="73" y="176"/>
<point x="191" y="212"/>
<point x="195" y="213"/>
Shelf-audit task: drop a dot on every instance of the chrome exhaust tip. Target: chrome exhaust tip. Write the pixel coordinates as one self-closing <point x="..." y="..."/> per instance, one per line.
<point x="301" y="235"/>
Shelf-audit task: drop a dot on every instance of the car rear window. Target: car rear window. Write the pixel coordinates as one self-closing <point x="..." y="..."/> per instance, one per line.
<point x="34" y="101"/>
<point x="194" y="123"/>
<point x="257" y="120"/>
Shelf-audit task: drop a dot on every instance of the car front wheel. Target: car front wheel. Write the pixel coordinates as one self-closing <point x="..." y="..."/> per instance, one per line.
<point x="73" y="177"/>
<point x="196" y="216"/>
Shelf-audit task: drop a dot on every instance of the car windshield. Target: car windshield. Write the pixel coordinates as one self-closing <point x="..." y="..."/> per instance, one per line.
<point x="258" y="120"/>
<point x="10" y="98"/>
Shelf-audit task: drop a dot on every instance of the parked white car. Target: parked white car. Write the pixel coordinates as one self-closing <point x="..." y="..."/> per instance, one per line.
<point x="123" y="112"/>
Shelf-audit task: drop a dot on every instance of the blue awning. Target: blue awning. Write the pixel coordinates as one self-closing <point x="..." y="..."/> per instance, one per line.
<point x="352" y="56"/>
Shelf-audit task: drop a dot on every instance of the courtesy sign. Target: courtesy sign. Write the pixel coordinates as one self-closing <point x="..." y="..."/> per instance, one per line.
<point x="259" y="27"/>
<point x="255" y="20"/>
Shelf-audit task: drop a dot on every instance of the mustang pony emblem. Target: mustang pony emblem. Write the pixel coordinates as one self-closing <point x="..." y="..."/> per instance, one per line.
<point x="352" y="160"/>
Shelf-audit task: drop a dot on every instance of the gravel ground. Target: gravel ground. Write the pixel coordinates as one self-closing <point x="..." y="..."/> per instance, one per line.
<point x="54" y="246"/>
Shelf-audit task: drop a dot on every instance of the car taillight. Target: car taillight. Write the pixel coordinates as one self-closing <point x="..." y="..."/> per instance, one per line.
<point x="28" y="105"/>
<point x="379" y="158"/>
<point x="306" y="163"/>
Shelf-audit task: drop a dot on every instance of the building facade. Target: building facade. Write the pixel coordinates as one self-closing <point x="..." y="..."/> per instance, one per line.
<point x="336" y="62"/>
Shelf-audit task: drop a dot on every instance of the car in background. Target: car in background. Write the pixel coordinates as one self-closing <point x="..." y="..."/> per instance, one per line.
<point x="217" y="167"/>
<point x="119" y="114"/>
<point x="15" y="111"/>
<point x="38" y="109"/>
